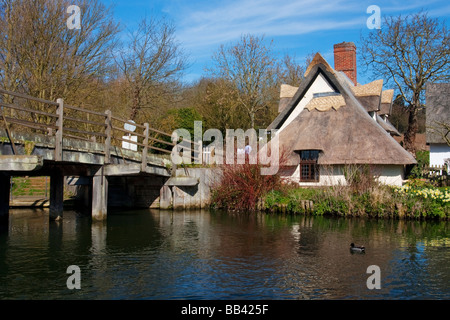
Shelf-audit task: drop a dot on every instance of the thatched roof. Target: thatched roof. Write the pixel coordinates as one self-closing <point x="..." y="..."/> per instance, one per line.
<point x="388" y="126"/>
<point x="317" y="64"/>
<point x="286" y="93"/>
<point x="437" y="111"/>
<point x="337" y="125"/>
<point x="386" y="102"/>
<point x="387" y="96"/>
<point x="326" y="103"/>
<point x="370" y="89"/>
<point x="318" y="60"/>
<point x="369" y="95"/>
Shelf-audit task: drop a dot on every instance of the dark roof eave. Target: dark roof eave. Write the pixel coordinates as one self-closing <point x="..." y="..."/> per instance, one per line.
<point x="362" y="162"/>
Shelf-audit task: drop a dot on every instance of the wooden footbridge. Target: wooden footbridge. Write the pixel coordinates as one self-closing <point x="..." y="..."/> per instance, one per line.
<point x="47" y="138"/>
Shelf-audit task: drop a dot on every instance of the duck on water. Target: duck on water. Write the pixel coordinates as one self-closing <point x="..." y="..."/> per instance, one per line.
<point x="359" y="249"/>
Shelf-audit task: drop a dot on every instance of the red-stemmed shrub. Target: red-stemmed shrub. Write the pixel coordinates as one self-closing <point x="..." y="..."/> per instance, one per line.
<point x="242" y="186"/>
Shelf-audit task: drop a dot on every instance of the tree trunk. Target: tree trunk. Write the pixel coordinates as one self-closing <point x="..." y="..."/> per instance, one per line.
<point x="410" y="135"/>
<point x="136" y="104"/>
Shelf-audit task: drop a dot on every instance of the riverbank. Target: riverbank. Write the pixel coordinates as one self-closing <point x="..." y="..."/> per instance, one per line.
<point x="244" y="189"/>
<point x="414" y="200"/>
<point x="410" y="201"/>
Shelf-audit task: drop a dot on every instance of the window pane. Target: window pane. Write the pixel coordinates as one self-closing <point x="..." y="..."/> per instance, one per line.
<point x="309" y="169"/>
<point x="309" y="155"/>
<point x="305" y="171"/>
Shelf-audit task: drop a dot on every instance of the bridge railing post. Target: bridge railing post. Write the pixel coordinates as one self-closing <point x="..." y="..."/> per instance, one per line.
<point x="145" y="149"/>
<point x="59" y="131"/>
<point x="108" y="133"/>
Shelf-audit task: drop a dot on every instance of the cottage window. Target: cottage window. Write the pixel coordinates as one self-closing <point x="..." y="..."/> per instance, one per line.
<point x="309" y="169"/>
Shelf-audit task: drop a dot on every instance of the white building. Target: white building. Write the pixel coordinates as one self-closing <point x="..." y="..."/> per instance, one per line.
<point x="438" y="122"/>
<point x="331" y="123"/>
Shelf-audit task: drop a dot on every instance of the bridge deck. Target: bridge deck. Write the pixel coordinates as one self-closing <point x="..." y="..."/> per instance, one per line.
<point x="42" y="137"/>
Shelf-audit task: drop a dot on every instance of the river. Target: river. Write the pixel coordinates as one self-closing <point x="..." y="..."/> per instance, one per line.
<point x="203" y="255"/>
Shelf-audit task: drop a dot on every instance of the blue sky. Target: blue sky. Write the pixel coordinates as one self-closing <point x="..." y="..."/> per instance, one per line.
<point x="297" y="27"/>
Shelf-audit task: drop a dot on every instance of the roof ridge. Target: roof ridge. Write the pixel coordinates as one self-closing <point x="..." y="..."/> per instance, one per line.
<point x="387" y="96"/>
<point x="318" y="59"/>
<point x="287" y="91"/>
<point x="326" y="103"/>
<point x="373" y="88"/>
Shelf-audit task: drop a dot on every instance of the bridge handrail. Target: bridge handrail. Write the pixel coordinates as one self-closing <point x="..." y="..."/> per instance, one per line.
<point x="59" y="127"/>
<point x="84" y="110"/>
<point x="16" y="107"/>
<point x="127" y="121"/>
<point x="28" y="97"/>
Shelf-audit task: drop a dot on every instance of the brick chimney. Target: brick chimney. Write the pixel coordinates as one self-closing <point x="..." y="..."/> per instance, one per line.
<point x="345" y="59"/>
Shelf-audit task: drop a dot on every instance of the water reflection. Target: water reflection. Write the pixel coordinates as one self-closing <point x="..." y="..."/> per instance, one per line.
<point x="212" y="255"/>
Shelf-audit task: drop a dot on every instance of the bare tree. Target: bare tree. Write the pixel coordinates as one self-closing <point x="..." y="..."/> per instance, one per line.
<point x="443" y="129"/>
<point x="291" y="72"/>
<point x="151" y="64"/>
<point x="9" y="66"/>
<point x="220" y="106"/>
<point x="411" y="51"/>
<point x="41" y="56"/>
<point x="250" y="66"/>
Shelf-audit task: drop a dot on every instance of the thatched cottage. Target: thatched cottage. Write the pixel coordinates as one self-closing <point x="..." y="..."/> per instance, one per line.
<point x="331" y="122"/>
<point x="438" y="122"/>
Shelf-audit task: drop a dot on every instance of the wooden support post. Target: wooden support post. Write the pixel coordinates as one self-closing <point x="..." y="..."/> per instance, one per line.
<point x="108" y="132"/>
<point x="99" y="196"/>
<point x="59" y="131"/>
<point x="5" y="187"/>
<point x="145" y="149"/>
<point x="56" y="195"/>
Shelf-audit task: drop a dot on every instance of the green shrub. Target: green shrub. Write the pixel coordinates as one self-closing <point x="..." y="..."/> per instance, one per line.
<point x="423" y="161"/>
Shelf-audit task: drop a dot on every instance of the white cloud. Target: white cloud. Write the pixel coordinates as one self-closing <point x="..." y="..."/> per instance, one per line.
<point x="202" y="27"/>
<point x="312" y="25"/>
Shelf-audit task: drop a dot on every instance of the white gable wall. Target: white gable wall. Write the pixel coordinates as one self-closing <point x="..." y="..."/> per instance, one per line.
<point x="319" y="85"/>
<point x="438" y="154"/>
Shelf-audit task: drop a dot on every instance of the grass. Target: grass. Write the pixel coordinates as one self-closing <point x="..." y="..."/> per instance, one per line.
<point x="25" y="187"/>
<point x="380" y="201"/>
